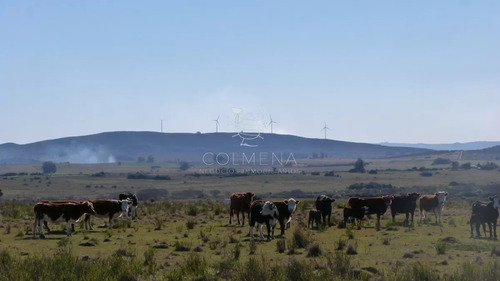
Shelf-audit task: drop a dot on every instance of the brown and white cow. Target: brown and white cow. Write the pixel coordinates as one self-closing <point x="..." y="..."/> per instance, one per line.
<point x="240" y="202"/>
<point x="59" y="211"/>
<point x="371" y="205"/>
<point x="286" y="209"/>
<point x="59" y="202"/>
<point x="108" y="209"/>
<point x="432" y="203"/>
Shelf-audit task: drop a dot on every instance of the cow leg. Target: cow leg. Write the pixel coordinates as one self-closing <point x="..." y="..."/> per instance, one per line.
<point x="282" y="227"/>
<point x="250" y="231"/>
<point x="261" y="235"/>
<point x="242" y="218"/>
<point x="378" y="222"/>
<point x="110" y="222"/>
<point x="40" y="228"/>
<point x="495" y="229"/>
<point x="412" y="215"/>
<point x="34" y="227"/>
<point x="230" y="214"/>
<point x="68" y="228"/>
<point x="238" y="216"/>
<point x="269" y="230"/>
<point x="46" y="226"/>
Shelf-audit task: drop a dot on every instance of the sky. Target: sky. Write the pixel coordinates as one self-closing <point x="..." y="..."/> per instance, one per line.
<point x="372" y="71"/>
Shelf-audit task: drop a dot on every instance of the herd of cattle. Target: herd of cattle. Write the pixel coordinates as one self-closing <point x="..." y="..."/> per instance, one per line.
<point x="271" y="213"/>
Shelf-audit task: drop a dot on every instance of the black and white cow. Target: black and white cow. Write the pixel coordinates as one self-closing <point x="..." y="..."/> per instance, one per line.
<point x="108" y="209"/>
<point x="133" y="208"/>
<point x="263" y="213"/>
<point x="485" y="213"/>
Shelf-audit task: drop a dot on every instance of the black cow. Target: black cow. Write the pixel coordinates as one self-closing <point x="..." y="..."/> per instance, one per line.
<point x="485" y="212"/>
<point x="132" y="211"/>
<point x="324" y="205"/>
<point x="404" y="204"/>
<point x="356" y="213"/>
<point x="371" y="205"/>
<point x="263" y="212"/>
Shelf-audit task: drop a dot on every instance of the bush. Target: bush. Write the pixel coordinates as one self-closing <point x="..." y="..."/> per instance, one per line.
<point x="426" y="174"/>
<point x="49" y="167"/>
<point x="314" y="250"/>
<point x="441" y="161"/>
<point x="184" y="166"/>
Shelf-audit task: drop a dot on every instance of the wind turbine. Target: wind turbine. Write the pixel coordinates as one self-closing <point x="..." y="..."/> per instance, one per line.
<point x="217" y="124"/>
<point x="271" y="123"/>
<point x="325" y="128"/>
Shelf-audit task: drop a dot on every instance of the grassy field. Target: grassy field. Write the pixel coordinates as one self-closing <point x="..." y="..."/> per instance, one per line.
<point x="190" y="238"/>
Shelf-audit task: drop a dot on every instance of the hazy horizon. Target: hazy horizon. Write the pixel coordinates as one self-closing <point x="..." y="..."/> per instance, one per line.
<point x="374" y="72"/>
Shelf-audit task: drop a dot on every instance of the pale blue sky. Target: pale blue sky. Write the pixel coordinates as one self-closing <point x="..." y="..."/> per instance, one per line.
<point x="375" y="71"/>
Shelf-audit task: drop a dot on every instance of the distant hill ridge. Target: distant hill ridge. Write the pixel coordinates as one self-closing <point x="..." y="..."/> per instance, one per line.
<point x="476" y="145"/>
<point x="128" y="146"/>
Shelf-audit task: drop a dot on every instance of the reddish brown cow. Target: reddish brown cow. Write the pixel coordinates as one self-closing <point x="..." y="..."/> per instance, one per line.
<point x="59" y="211"/>
<point x="240" y="202"/>
<point x="432" y="203"/>
<point x="371" y="205"/>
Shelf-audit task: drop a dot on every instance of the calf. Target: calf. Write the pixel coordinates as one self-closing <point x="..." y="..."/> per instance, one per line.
<point x="485" y="212"/>
<point x="240" y="202"/>
<point x="324" y="205"/>
<point x="263" y="212"/>
<point x="314" y="216"/>
<point x="404" y="204"/>
<point x="68" y="212"/>
<point x="108" y="209"/>
<point x="133" y="208"/>
<point x="432" y="202"/>
<point x="286" y="209"/>
<point x="355" y="213"/>
<point x="371" y="205"/>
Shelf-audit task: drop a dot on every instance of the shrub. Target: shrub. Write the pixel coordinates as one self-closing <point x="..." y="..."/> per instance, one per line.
<point x="426" y="174"/>
<point x="313" y="250"/>
<point x="441" y="247"/>
<point x="49" y="167"/>
<point x="190" y="224"/>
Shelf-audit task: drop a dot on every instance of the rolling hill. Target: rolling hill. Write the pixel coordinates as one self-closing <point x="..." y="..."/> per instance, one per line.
<point x="128" y="146"/>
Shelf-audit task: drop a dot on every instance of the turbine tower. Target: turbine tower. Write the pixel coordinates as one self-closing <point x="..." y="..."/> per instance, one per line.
<point x="217" y="124"/>
<point x="325" y="128"/>
<point x="271" y="123"/>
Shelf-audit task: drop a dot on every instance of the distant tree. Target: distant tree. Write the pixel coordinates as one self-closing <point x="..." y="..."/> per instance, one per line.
<point x="184" y="166"/>
<point x="359" y="166"/>
<point x="150" y="159"/>
<point x="466" y="166"/>
<point x="441" y="161"/>
<point x="454" y="165"/>
<point x="141" y="159"/>
<point x="49" y="167"/>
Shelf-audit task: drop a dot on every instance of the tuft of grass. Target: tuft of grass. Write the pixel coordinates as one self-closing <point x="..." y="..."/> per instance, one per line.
<point x="253" y="247"/>
<point x="190" y="224"/>
<point x="182" y="246"/>
<point x="314" y="250"/>
<point x="351" y="248"/>
<point x="300" y="238"/>
<point x="441" y="247"/>
<point x="280" y="245"/>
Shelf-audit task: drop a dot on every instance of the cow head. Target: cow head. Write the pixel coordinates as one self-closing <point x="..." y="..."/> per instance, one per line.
<point x="388" y="199"/>
<point x="495" y="200"/>
<point x="413" y="196"/>
<point x="441" y="196"/>
<point x="292" y="205"/>
<point x="270" y="209"/>
<point x="248" y="197"/>
<point x="125" y="205"/>
<point x="89" y="207"/>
